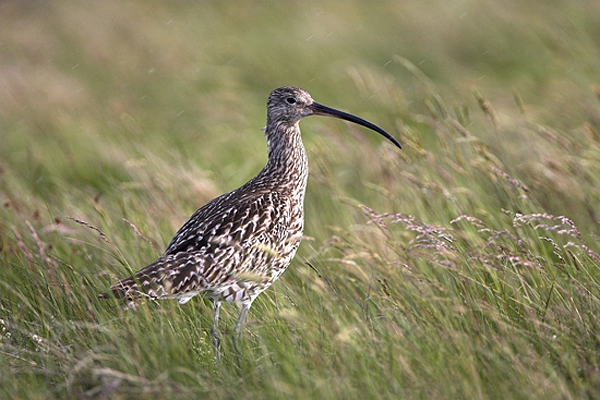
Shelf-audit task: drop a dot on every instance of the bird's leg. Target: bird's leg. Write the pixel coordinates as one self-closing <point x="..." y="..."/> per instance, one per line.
<point x="240" y="324"/>
<point x="242" y="318"/>
<point x="214" y="333"/>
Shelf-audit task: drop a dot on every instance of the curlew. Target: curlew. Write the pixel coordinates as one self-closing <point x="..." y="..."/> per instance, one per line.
<point x="235" y="246"/>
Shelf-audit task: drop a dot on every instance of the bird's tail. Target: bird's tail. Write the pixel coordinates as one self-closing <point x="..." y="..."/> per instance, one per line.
<point x="124" y="290"/>
<point x="167" y="277"/>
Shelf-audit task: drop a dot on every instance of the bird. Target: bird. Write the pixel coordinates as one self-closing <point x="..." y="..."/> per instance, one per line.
<point x="236" y="245"/>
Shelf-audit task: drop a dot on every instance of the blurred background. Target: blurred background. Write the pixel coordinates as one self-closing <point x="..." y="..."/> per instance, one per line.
<point x="87" y="87"/>
<point x="127" y="116"/>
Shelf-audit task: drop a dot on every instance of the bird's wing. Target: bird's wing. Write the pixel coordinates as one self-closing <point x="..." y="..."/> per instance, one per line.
<point x="218" y="243"/>
<point x="221" y="223"/>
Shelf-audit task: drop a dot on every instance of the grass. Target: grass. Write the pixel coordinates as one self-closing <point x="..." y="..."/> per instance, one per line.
<point x="464" y="266"/>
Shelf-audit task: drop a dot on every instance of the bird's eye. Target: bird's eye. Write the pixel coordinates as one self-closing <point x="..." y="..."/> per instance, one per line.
<point x="290" y="100"/>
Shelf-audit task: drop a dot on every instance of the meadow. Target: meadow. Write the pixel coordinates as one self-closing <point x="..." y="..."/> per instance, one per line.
<point x="465" y="266"/>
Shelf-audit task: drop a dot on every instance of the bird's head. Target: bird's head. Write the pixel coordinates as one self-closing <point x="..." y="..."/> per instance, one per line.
<point x="288" y="104"/>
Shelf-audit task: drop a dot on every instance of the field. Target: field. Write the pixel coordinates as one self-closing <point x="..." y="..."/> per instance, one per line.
<point x="465" y="266"/>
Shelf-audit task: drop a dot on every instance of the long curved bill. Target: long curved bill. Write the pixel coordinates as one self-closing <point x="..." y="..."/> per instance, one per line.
<point x="320" y="109"/>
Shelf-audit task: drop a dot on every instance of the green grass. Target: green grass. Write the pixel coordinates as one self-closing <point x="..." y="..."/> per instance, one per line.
<point x="464" y="266"/>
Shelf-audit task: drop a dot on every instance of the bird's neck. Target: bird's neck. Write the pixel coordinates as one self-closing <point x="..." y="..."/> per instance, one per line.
<point x="287" y="162"/>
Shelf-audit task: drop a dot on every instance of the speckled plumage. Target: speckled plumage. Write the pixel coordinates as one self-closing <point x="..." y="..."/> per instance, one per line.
<point x="237" y="245"/>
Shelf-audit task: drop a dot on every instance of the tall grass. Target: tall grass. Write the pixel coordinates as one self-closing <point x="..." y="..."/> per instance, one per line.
<point x="464" y="266"/>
